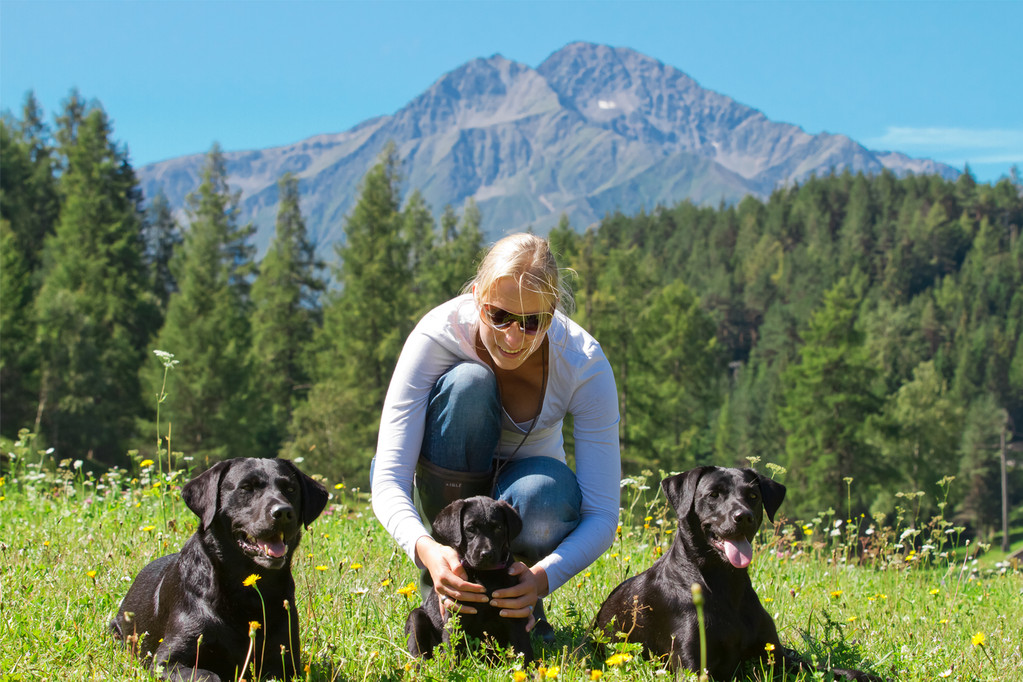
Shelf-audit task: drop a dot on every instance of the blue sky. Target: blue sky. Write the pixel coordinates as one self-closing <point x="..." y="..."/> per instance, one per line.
<point x="941" y="80"/>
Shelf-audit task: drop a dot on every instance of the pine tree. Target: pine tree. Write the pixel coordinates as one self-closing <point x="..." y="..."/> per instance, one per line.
<point x="93" y="310"/>
<point x="286" y="312"/>
<point x="207" y="326"/>
<point x="29" y="207"/>
<point x="458" y="253"/>
<point x="828" y="398"/>
<point x="365" y="325"/>
<point x="676" y="371"/>
<point x="162" y="236"/>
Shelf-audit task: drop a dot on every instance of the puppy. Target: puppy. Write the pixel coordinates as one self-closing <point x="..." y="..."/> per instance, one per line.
<point x="481" y="529"/>
<point x="719" y="511"/>
<point x="188" y="614"/>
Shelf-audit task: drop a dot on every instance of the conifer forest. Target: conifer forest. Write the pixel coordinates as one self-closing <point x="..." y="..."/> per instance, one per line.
<point x="865" y="333"/>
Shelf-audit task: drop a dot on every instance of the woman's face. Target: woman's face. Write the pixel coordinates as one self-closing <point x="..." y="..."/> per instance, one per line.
<point x="512" y="346"/>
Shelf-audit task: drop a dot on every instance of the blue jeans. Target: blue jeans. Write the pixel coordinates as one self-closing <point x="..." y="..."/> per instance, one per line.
<point x="463" y="427"/>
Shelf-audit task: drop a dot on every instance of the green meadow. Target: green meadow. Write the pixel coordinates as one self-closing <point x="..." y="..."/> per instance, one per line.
<point x="905" y="597"/>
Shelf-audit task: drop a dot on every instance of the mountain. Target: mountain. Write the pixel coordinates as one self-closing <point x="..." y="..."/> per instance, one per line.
<point x="593" y="129"/>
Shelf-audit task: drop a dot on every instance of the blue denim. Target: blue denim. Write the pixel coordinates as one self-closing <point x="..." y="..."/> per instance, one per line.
<point x="463" y="427"/>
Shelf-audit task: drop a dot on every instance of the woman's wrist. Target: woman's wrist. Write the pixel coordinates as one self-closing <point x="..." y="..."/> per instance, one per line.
<point x="540" y="576"/>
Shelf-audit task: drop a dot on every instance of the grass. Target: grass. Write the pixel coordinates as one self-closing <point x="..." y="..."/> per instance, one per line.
<point x="914" y="604"/>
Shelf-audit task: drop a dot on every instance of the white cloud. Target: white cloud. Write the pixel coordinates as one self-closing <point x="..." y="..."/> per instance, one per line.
<point x="1001" y="144"/>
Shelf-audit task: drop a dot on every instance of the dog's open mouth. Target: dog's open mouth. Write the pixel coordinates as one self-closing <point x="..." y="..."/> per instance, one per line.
<point x="737" y="550"/>
<point x="271" y="548"/>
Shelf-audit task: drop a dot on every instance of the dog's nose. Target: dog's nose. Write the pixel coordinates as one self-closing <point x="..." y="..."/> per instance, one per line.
<point x="282" y="512"/>
<point x="743" y="517"/>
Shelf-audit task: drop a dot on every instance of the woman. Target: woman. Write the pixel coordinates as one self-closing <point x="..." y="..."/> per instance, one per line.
<point x="476" y="406"/>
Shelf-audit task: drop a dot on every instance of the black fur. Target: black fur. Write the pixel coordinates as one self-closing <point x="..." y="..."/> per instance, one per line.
<point x="719" y="512"/>
<point x="251" y="513"/>
<point x="481" y="529"/>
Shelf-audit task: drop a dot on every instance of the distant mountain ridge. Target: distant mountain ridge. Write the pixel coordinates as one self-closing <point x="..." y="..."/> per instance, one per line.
<point x="592" y="129"/>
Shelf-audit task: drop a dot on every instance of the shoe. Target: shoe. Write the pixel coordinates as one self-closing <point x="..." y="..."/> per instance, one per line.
<point x="544" y="632"/>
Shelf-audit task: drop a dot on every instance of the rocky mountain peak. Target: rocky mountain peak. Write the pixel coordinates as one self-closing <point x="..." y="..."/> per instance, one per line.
<point x="592" y="129"/>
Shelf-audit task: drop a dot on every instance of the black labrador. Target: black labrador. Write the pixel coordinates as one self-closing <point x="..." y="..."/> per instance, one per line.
<point x="188" y="614"/>
<point x="719" y="512"/>
<point x="481" y="529"/>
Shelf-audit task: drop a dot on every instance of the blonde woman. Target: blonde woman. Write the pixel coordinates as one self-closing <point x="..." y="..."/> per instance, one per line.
<point x="476" y="406"/>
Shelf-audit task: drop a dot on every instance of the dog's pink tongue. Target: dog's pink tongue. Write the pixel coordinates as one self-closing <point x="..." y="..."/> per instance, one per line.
<point x="739" y="552"/>
<point x="274" y="549"/>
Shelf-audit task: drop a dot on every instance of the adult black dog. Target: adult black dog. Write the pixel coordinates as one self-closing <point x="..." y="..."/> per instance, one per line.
<point x="719" y="512"/>
<point x="189" y="613"/>
<point x="481" y="529"/>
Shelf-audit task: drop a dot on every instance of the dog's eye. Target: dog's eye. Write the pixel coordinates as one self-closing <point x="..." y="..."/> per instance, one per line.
<point x="753" y="496"/>
<point x="715" y="494"/>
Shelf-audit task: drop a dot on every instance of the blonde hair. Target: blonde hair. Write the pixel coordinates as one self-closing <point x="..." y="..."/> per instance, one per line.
<point x="528" y="260"/>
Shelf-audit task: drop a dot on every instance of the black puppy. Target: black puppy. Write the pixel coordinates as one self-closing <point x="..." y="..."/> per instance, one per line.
<point x="189" y="613"/>
<point x="719" y="512"/>
<point x="481" y="529"/>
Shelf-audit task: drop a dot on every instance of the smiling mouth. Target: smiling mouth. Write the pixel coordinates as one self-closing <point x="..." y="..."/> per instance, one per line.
<point x="273" y="548"/>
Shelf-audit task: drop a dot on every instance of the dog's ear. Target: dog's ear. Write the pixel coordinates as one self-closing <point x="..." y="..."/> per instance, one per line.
<point x="512" y="518"/>
<point x="680" y="489"/>
<point x="447" y="525"/>
<point x="202" y="493"/>
<point x="773" y="493"/>
<point x="314" y="495"/>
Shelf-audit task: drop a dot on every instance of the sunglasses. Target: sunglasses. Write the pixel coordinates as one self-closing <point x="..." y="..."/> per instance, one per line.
<point x="501" y="319"/>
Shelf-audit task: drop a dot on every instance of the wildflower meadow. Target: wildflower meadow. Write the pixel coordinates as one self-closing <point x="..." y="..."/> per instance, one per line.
<point x="905" y="597"/>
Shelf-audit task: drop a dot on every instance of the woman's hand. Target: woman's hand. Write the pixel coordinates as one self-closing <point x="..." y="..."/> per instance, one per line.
<point x="519" y="600"/>
<point x="449" y="577"/>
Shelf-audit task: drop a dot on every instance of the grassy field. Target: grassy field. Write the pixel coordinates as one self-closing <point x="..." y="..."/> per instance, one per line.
<point x="914" y="605"/>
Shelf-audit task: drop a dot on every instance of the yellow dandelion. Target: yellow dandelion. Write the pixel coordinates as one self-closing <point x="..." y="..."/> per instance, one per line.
<point x="146" y="529"/>
<point x="519" y="676"/>
<point x="768" y="647"/>
<point x="768" y="600"/>
<point x="979" y="639"/>
<point x="408" y="590"/>
<point x="808" y="531"/>
<point x="321" y="567"/>
<point x="385" y="582"/>
<point x="850" y="619"/>
<point x="356" y="567"/>
<point x="156" y="485"/>
<point x="146" y="463"/>
<point x="836" y="594"/>
<point x="253" y="626"/>
<point x="619" y="659"/>
<point x="339" y="486"/>
<point x="251" y="580"/>
<point x="596" y="674"/>
<point x="552" y="672"/>
<point x="943" y="621"/>
<point x="935" y="591"/>
<point x="91" y="574"/>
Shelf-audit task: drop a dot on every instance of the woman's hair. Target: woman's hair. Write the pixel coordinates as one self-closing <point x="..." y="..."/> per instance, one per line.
<point x="528" y="260"/>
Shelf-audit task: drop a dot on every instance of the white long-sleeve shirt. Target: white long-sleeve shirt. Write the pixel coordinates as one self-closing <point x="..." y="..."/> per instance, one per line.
<point x="579" y="382"/>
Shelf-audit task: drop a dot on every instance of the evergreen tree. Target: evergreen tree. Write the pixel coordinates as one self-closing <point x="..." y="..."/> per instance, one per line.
<point x="458" y="253"/>
<point x="207" y="326"/>
<point x="918" y="435"/>
<point x="93" y="310"/>
<point x="29" y="208"/>
<point x="828" y="398"/>
<point x="286" y="312"/>
<point x="162" y="237"/>
<point x="365" y="325"/>
<point x="680" y="366"/>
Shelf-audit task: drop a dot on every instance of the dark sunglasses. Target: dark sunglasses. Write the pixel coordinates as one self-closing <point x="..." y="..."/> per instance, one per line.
<point x="531" y="323"/>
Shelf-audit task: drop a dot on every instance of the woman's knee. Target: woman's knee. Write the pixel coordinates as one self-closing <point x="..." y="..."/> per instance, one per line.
<point x="463" y="419"/>
<point x="546" y="494"/>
